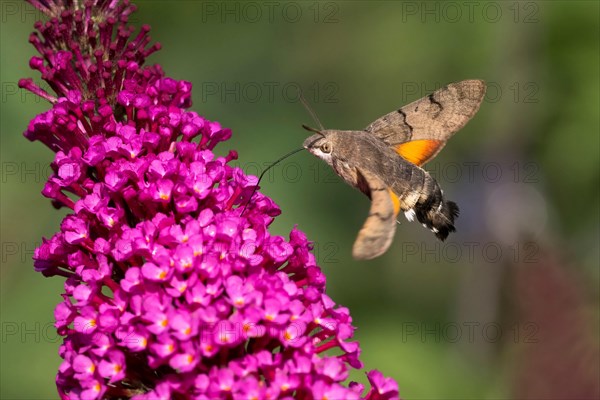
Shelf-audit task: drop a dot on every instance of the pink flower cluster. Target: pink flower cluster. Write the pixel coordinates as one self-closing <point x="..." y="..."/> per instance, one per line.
<point x="170" y="291"/>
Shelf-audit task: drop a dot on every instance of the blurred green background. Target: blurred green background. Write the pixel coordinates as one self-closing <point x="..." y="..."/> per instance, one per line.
<point x="506" y="308"/>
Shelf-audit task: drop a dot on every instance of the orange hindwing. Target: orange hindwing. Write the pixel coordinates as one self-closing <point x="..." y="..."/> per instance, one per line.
<point x="419" y="151"/>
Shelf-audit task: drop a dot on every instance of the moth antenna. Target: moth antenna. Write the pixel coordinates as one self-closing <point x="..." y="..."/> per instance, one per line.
<point x="311" y="111"/>
<point x="308" y="128"/>
<point x="291" y="153"/>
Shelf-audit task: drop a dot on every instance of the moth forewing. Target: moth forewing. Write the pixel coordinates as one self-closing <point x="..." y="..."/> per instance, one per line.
<point x="376" y="235"/>
<point x="435" y="117"/>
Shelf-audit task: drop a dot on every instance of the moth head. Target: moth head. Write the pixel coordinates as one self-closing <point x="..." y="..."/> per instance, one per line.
<point x="320" y="144"/>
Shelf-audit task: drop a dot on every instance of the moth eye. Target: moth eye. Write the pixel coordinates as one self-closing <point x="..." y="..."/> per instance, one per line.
<point x="326" y="148"/>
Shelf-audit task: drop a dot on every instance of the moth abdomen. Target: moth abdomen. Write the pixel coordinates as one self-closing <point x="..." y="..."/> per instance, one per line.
<point x="437" y="214"/>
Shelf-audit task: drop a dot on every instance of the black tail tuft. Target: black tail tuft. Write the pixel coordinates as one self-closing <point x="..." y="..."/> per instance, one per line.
<point x="439" y="219"/>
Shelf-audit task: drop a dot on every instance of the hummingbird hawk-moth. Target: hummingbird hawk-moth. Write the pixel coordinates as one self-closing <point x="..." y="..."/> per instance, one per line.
<point x="385" y="160"/>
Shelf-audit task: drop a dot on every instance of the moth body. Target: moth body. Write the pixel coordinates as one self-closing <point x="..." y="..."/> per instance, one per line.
<point x="384" y="162"/>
